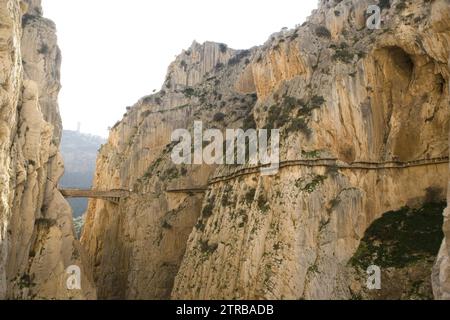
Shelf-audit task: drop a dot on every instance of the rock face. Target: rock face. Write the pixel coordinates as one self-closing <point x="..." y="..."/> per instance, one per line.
<point x="441" y="272"/>
<point x="404" y="244"/>
<point x="136" y="247"/>
<point x="37" y="242"/>
<point x="364" y="123"/>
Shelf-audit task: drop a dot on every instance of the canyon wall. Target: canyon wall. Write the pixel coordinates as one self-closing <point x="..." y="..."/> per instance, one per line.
<point x="37" y="242"/>
<point x="136" y="247"/>
<point x="441" y="272"/>
<point x="364" y="122"/>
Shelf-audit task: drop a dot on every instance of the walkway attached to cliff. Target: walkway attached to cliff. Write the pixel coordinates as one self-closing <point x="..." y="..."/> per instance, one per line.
<point x="113" y="196"/>
<point x="116" y="195"/>
<point x="227" y="175"/>
<point x="328" y="163"/>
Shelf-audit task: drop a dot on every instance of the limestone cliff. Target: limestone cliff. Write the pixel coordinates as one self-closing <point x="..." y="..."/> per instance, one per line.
<point x="37" y="242"/>
<point x="441" y="272"/>
<point x="364" y="122"/>
<point x="136" y="247"/>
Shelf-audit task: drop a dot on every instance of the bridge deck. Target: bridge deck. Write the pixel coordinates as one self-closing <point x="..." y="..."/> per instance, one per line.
<point x="111" y="195"/>
<point x="117" y="194"/>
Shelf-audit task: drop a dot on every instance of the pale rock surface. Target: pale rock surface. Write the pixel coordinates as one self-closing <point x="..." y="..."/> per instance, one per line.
<point x="441" y="274"/>
<point x="136" y="248"/>
<point x="353" y="94"/>
<point x="37" y="242"/>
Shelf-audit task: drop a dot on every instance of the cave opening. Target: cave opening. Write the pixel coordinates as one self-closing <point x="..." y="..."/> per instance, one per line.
<point x="402" y="61"/>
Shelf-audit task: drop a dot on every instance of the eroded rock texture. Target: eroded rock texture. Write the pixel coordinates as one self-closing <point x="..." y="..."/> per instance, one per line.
<point x="441" y="272"/>
<point x="375" y="101"/>
<point x="37" y="242"/>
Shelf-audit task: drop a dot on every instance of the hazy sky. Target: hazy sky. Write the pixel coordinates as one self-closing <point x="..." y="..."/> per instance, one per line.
<point x="114" y="52"/>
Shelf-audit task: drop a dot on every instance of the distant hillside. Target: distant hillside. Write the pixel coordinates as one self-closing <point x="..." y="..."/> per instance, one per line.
<point x="80" y="152"/>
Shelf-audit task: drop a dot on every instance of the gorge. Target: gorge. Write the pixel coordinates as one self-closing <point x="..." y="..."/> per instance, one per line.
<point x="363" y="117"/>
<point x="37" y="241"/>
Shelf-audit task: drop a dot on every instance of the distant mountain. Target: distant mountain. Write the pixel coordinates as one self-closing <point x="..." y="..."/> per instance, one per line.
<point x="79" y="151"/>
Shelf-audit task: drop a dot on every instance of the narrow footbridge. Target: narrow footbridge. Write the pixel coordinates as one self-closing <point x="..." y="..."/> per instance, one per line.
<point x="113" y="196"/>
<point x="116" y="195"/>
